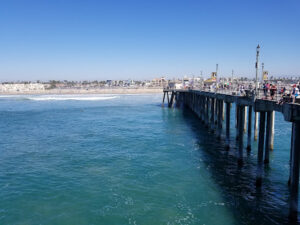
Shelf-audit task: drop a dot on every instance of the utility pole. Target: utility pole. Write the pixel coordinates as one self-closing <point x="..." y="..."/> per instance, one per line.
<point x="232" y="72"/>
<point x="256" y="66"/>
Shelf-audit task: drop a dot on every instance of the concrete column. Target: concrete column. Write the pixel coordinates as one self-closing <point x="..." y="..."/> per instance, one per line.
<point x="236" y="115"/>
<point x="228" y="106"/>
<point x="171" y="100"/>
<point x="241" y="133"/>
<point x="249" y="127"/>
<point x="223" y="114"/>
<point x="168" y="98"/>
<point x="245" y="120"/>
<point x="220" y="114"/>
<point x="237" y="110"/>
<point x="268" y="130"/>
<point x="271" y="144"/>
<point x="212" y="113"/>
<point x="206" y="111"/>
<point x="260" y="153"/>
<point x="294" y="183"/>
<point x="201" y="108"/>
<point x="163" y="102"/>
<point x="216" y="111"/>
<point x="255" y="126"/>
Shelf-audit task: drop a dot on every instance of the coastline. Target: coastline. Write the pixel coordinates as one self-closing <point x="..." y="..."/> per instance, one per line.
<point x="86" y="91"/>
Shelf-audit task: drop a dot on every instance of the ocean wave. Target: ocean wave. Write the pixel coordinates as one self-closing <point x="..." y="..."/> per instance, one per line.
<point x="61" y="98"/>
<point x="74" y="98"/>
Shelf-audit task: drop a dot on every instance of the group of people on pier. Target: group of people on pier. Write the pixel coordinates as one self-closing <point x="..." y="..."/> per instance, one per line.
<point x="281" y="93"/>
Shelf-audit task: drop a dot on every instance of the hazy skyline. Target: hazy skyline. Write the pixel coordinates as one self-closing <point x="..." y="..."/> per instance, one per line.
<point x="88" y="40"/>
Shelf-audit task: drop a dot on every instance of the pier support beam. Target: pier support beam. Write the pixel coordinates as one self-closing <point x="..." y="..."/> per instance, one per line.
<point x="220" y="114"/>
<point x="212" y="113"/>
<point x="216" y="111"/>
<point x="223" y="114"/>
<point x="268" y="130"/>
<point x="171" y="100"/>
<point x="237" y="119"/>
<point x="206" y="112"/>
<point x="260" y="153"/>
<point x="245" y="119"/>
<point x="294" y="182"/>
<point x="255" y="126"/>
<point x="241" y="133"/>
<point x="163" y="102"/>
<point x="228" y="106"/>
<point x="249" y="127"/>
<point x="271" y="144"/>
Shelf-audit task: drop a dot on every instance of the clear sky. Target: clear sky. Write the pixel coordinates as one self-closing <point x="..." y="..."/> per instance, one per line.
<point x="88" y="40"/>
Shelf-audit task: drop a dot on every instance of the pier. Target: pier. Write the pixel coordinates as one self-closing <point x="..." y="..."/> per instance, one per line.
<point x="209" y="108"/>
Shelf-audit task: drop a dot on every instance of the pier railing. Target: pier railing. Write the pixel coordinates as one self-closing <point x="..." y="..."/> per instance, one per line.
<point x="260" y="94"/>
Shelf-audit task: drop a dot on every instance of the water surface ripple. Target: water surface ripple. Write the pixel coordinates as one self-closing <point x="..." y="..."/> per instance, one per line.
<point x="122" y="159"/>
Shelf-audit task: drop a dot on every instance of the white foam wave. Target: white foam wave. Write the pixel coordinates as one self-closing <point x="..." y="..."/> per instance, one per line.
<point x="74" y="98"/>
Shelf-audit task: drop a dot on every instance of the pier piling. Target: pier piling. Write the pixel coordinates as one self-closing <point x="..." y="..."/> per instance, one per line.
<point x="228" y="106"/>
<point x="237" y="111"/>
<point x="268" y="130"/>
<point x="212" y="113"/>
<point x="260" y="153"/>
<point x="271" y="147"/>
<point x="241" y="133"/>
<point x="294" y="182"/>
<point x="255" y="126"/>
<point x="249" y="127"/>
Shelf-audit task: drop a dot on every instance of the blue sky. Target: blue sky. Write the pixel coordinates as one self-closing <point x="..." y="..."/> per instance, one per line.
<point x="88" y="40"/>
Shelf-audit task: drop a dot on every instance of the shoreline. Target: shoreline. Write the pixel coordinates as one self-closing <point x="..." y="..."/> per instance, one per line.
<point x="89" y="91"/>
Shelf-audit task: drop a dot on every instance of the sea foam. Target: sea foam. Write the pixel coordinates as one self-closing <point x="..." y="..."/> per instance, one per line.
<point x="63" y="97"/>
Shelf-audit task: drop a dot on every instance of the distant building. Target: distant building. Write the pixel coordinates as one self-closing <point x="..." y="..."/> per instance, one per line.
<point x="159" y="82"/>
<point x="22" y="87"/>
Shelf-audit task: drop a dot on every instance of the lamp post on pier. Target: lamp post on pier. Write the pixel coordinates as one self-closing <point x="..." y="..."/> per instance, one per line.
<point x="256" y="66"/>
<point x="217" y="66"/>
<point x="262" y="72"/>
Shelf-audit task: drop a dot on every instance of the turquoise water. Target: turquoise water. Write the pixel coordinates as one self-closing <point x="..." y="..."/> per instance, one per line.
<point x="123" y="159"/>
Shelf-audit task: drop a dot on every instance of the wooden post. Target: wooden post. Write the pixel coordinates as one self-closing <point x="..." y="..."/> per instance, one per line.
<point x="249" y="127"/>
<point x="295" y="154"/>
<point x="228" y="106"/>
<point x="255" y="126"/>
<point x="268" y="130"/>
<point x="260" y="153"/>
<point x="241" y="133"/>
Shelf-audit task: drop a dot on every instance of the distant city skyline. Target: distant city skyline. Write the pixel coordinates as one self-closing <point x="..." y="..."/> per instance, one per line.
<point x="94" y="40"/>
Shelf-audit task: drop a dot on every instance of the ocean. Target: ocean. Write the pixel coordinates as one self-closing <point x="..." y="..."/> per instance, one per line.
<point x="124" y="159"/>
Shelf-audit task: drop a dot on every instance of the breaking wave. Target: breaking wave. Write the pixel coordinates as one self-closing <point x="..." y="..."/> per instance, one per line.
<point x="62" y="98"/>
